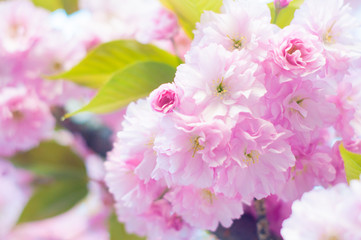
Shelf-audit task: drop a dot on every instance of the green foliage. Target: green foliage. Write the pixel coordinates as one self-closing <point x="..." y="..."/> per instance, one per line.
<point x="117" y="230"/>
<point x="352" y="162"/>
<point x="189" y="11"/>
<point x="53" y="198"/>
<point x="285" y="16"/>
<point x="101" y="63"/>
<point x="133" y="82"/>
<point x="70" y="6"/>
<point x="60" y="180"/>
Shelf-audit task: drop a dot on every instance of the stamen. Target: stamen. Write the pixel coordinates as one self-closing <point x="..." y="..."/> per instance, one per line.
<point x="221" y="89"/>
<point x="57" y="66"/>
<point x="298" y="172"/>
<point x="251" y="158"/>
<point x="301" y="111"/>
<point x="196" y="145"/>
<point x="299" y="102"/>
<point x="237" y="42"/>
<point x="292" y="49"/>
<point x="328" y="36"/>
<point x="208" y="195"/>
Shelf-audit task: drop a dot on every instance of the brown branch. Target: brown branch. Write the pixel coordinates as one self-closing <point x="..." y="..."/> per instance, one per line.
<point x="263" y="232"/>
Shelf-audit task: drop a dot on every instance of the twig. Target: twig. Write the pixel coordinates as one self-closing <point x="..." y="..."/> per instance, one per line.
<point x="262" y="222"/>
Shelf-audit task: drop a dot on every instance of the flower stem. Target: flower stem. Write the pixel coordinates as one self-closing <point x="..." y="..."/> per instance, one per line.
<point x="277" y="12"/>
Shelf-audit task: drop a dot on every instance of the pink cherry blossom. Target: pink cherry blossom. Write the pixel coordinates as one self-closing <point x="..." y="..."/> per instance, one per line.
<point x="188" y="152"/>
<point x="157" y="222"/>
<point x="140" y="205"/>
<point x="336" y="28"/>
<point x="332" y="213"/>
<point x="127" y="188"/>
<point x="314" y="167"/>
<point x="129" y="146"/>
<point x="296" y="51"/>
<point x="223" y="83"/>
<point x="260" y="157"/>
<point x="300" y="106"/>
<point x="203" y="208"/>
<point x="165" y="98"/>
<point x="242" y="25"/>
<point x="347" y="100"/>
<point x="24" y="120"/>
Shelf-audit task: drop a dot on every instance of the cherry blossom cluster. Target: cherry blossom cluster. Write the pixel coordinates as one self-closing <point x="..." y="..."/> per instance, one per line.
<point x="36" y="43"/>
<point x="255" y="110"/>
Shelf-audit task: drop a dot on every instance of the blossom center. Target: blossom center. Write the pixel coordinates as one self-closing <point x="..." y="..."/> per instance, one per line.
<point x="328" y="36"/>
<point x="208" y="196"/>
<point x="297" y="106"/>
<point x="330" y="237"/>
<point x="237" y="42"/>
<point x="196" y="145"/>
<point x="251" y="158"/>
<point x="14" y="30"/>
<point x="298" y="172"/>
<point x="17" y="115"/>
<point x="221" y="89"/>
<point x="292" y="49"/>
<point x="57" y="66"/>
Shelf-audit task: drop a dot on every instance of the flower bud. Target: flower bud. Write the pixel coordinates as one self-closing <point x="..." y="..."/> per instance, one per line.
<point x="165" y="98"/>
<point x="281" y="3"/>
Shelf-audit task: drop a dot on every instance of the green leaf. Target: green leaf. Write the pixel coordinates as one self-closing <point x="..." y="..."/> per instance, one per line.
<point x="189" y="11"/>
<point x="60" y="180"/>
<point x="53" y="199"/>
<point x="51" y="159"/>
<point x="101" y="63"/>
<point x="286" y="14"/>
<point x="131" y="83"/>
<point x="70" y="6"/>
<point x="50" y="5"/>
<point x="352" y="162"/>
<point x="117" y="230"/>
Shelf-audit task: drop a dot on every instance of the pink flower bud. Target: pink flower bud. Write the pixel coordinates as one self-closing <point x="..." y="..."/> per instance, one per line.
<point x="165" y="98"/>
<point x="281" y="3"/>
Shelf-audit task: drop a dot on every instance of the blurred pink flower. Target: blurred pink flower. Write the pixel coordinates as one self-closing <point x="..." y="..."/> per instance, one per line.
<point x="161" y="25"/>
<point x="24" y="120"/>
<point x="15" y="193"/>
<point x="21" y="25"/>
